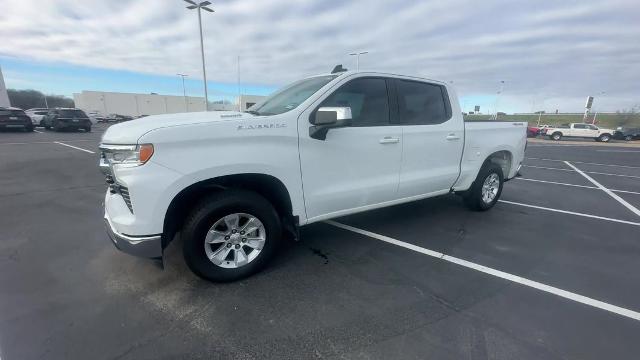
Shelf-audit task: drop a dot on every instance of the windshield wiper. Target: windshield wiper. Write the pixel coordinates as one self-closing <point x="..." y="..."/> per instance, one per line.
<point x="252" y="112"/>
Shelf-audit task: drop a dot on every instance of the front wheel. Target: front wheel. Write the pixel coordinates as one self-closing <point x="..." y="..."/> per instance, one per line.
<point x="57" y="127"/>
<point x="628" y="138"/>
<point x="486" y="189"/>
<point x="231" y="235"/>
<point x="556" y="136"/>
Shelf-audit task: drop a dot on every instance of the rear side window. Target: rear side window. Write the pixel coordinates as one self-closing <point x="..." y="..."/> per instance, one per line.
<point x="579" y="126"/>
<point x="421" y="103"/>
<point x="367" y="98"/>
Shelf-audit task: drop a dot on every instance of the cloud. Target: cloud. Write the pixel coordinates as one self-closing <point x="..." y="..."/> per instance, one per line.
<point x="561" y="49"/>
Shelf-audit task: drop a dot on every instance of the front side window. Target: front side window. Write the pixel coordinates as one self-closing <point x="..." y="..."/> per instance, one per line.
<point x="367" y="98"/>
<point x="421" y="103"/>
<point x="291" y="96"/>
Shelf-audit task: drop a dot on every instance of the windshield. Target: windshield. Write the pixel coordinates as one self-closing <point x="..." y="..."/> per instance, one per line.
<point x="291" y="96"/>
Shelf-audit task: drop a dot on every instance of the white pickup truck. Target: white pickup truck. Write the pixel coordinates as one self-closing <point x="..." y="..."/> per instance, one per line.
<point x="233" y="184"/>
<point x="580" y="130"/>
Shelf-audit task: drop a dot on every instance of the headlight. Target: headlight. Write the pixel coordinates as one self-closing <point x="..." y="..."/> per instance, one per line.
<point x="127" y="155"/>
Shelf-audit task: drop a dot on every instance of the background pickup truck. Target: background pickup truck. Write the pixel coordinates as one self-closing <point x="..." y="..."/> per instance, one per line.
<point x="579" y="130"/>
<point x="234" y="184"/>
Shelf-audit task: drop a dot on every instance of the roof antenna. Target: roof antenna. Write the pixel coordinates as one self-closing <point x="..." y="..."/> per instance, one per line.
<point x="338" y="69"/>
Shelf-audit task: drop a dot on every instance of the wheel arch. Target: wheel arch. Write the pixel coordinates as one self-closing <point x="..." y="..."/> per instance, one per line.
<point x="268" y="186"/>
<point x="502" y="158"/>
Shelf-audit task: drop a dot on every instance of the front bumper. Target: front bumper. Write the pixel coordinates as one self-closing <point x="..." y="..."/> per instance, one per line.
<point x="144" y="246"/>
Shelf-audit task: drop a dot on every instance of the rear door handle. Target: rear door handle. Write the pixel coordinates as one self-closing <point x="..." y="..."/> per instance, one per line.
<point x="389" y="140"/>
<point x="453" y="137"/>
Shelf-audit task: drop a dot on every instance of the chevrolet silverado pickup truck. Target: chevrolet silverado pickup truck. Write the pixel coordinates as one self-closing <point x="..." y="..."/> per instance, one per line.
<point x="234" y="184"/>
<point x="579" y="130"/>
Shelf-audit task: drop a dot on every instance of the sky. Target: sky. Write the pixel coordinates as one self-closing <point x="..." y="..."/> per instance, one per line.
<point x="550" y="54"/>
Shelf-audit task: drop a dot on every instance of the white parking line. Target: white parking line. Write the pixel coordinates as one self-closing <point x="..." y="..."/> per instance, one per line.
<point x="586" y="163"/>
<point x="547" y="168"/>
<point x="619" y="151"/>
<point x="41" y="142"/>
<point x="571" y="212"/>
<point x="588" y="172"/>
<point x="574" y="185"/>
<point x="74" y="147"/>
<point x="497" y="273"/>
<point x="607" y="191"/>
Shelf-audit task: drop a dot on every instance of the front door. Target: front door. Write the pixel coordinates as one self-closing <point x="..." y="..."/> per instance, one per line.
<point x="356" y="166"/>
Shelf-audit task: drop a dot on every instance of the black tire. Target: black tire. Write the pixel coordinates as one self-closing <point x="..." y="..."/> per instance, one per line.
<point x="57" y="127"/>
<point x="42" y="123"/>
<point x="604" y="138"/>
<point x="215" y="207"/>
<point x="87" y="128"/>
<point x="28" y="128"/>
<point x="473" y="196"/>
<point x="557" y="136"/>
<point x="628" y="138"/>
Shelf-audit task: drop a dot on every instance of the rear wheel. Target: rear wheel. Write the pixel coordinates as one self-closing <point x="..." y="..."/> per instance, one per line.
<point x="28" y="128"/>
<point x="604" y="138"/>
<point x="56" y="126"/>
<point x="556" y="136"/>
<point x="486" y="189"/>
<point x="231" y="235"/>
<point x="87" y="128"/>
<point x="628" y="138"/>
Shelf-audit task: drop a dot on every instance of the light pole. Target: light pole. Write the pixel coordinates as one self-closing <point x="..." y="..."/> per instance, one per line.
<point x="202" y="5"/>
<point x="498" y="97"/>
<point x="184" y="92"/>
<point x="357" y="55"/>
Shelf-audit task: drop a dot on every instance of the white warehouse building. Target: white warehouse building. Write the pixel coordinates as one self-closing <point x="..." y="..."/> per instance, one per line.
<point x="151" y="104"/>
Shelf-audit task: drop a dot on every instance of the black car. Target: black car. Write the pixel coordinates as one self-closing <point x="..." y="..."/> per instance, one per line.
<point x="63" y="119"/>
<point x="15" y="118"/>
<point x="627" y="134"/>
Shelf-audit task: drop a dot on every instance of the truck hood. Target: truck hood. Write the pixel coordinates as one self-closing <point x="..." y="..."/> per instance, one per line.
<point x="130" y="131"/>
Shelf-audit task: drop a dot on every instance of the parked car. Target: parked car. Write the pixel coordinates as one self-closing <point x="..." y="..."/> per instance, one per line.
<point x="627" y="134"/>
<point x="15" y="118"/>
<point x="532" y="131"/>
<point x="36" y="115"/>
<point x="67" y="119"/>
<point x="94" y="116"/>
<point x="232" y="183"/>
<point x="579" y="130"/>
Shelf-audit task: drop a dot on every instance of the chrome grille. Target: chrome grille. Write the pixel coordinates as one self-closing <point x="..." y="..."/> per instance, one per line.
<point x="125" y="195"/>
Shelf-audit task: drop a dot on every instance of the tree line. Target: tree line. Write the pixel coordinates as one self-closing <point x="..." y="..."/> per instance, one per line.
<point x="28" y="99"/>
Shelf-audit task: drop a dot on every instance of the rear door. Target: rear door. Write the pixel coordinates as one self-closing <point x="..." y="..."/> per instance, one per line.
<point x="432" y="139"/>
<point x="356" y="166"/>
<point x="578" y="130"/>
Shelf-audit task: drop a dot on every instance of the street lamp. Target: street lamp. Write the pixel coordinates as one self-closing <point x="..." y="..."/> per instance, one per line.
<point x="202" y="5"/>
<point x="498" y="97"/>
<point x="357" y="55"/>
<point x="184" y="92"/>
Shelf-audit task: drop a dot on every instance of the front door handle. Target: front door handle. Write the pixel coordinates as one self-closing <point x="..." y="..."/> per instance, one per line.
<point x="389" y="140"/>
<point x="453" y="137"/>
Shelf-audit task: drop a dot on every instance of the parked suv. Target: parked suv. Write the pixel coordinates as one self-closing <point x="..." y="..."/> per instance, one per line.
<point x="36" y="115"/>
<point x="14" y="118"/>
<point x="62" y="119"/>
<point x="627" y="134"/>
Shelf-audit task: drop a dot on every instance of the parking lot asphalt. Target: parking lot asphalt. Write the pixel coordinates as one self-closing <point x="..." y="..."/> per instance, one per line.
<point x="67" y="293"/>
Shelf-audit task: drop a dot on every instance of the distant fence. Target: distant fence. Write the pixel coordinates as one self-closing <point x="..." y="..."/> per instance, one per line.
<point x="603" y="119"/>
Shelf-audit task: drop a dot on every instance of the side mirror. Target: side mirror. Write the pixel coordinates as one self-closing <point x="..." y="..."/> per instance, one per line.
<point x="326" y="118"/>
